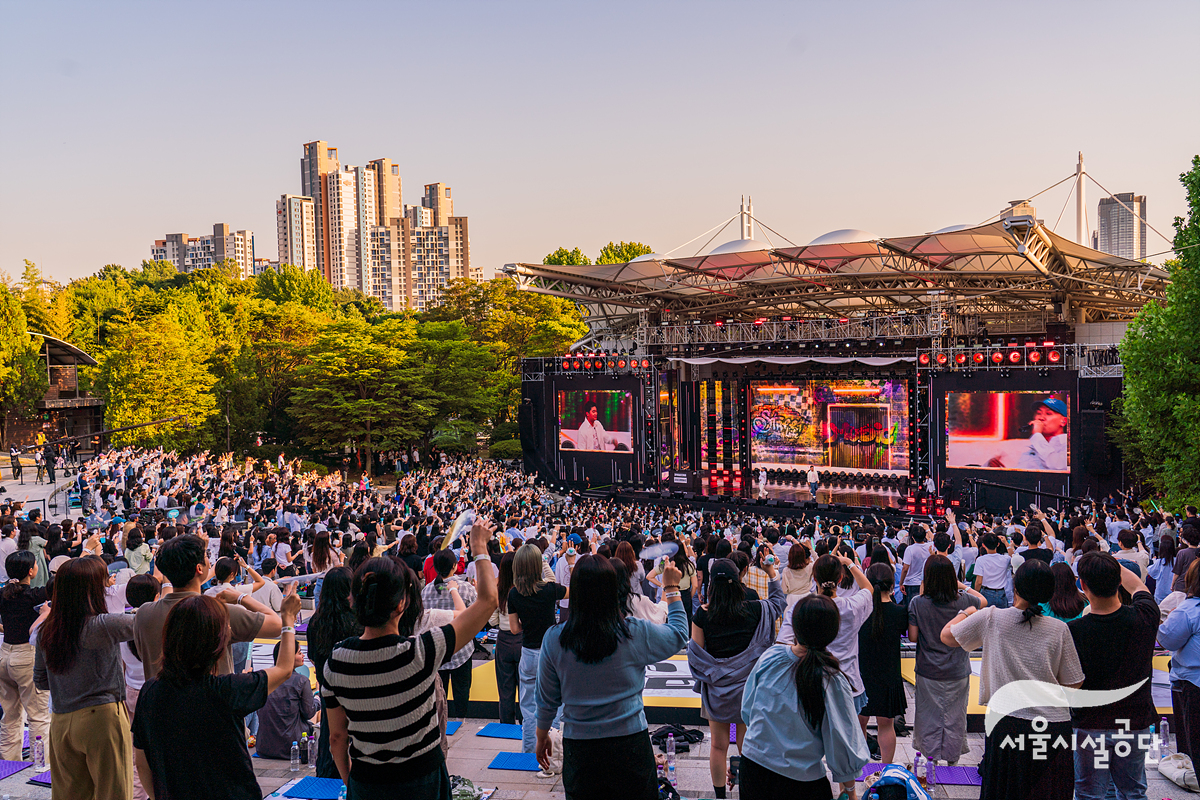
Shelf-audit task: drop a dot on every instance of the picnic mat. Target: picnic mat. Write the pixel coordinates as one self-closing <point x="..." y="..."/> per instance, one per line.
<point x="302" y="627"/>
<point x="452" y="727"/>
<point x="314" y="788"/>
<point x="42" y="779"/>
<point x="8" y="768"/>
<point x="950" y="776"/>
<point x="498" y="730"/>
<point x="522" y="762"/>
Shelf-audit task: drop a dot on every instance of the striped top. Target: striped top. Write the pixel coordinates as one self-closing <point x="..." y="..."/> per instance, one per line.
<point x="386" y="687"/>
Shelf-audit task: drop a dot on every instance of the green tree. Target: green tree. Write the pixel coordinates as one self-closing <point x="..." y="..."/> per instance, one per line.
<point x="622" y="252"/>
<point x="1161" y="355"/>
<point x="357" y="387"/>
<point x="291" y="284"/>
<point x="22" y="374"/>
<point x="564" y="257"/>
<point x="154" y="370"/>
<point x="454" y="374"/>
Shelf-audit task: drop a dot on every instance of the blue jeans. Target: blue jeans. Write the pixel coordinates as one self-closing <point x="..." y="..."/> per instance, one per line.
<point x="527" y="672"/>
<point x="997" y="598"/>
<point x="812" y="487"/>
<point x="1124" y="777"/>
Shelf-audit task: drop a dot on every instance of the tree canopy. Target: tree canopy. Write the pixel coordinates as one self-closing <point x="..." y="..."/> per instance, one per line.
<point x="1160" y="412"/>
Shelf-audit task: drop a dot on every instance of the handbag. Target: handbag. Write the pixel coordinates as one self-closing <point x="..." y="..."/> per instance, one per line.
<point x="1178" y="769"/>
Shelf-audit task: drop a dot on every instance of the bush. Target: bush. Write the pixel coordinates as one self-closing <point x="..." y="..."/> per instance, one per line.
<point x="310" y="466"/>
<point x="504" y="432"/>
<point x="509" y="448"/>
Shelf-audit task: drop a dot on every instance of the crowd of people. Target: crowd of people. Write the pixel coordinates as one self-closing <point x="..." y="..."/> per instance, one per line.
<point x="127" y="631"/>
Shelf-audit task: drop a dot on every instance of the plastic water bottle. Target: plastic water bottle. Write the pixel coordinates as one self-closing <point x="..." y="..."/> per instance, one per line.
<point x="38" y="752"/>
<point x="312" y="747"/>
<point x="671" y="776"/>
<point x="1155" y="752"/>
<point x="1164" y="731"/>
<point x="931" y="772"/>
<point x="295" y="765"/>
<point x="304" y="748"/>
<point x="342" y="792"/>
<point x="919" y="768"/>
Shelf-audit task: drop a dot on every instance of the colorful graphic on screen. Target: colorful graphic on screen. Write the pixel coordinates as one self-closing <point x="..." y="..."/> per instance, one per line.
<point x="599" y="420"/>
<point x="1027" y="431"/>
<point x="842" y="425"/>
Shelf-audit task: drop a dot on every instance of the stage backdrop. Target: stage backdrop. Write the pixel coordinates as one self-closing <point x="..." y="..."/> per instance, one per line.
<point x="841" y="425"/>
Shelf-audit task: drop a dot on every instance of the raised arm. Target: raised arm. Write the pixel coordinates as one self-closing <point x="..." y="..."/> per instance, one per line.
<point x="472" y="620"/>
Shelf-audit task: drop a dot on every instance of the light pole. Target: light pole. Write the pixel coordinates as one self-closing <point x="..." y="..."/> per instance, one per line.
<point x="228" y="392"/>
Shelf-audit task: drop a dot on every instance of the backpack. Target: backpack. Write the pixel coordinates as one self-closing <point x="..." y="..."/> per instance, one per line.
<point x="897" y="783"/>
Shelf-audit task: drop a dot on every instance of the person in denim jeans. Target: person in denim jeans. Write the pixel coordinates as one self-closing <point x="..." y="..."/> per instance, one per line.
<point x="993" y="571"/>
<point x="1113" y="739"/>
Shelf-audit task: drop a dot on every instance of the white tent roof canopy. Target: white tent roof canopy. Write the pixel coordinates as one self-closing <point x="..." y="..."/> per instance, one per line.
<point x="1011" y="266"/>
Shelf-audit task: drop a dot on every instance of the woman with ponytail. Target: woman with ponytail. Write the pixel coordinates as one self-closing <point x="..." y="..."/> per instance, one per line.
<point x="1021" y="644"/>
<point x="379" y="687"/>
<point x="879" y="654"/>
<point x="799" y="710"/>
<point x="854" y="606"/>
<point x="447" y="595"/>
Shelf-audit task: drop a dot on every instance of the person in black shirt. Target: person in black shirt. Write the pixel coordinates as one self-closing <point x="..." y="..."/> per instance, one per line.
<point x="1105" y="667"/>
<point x="879" y="651"/>
<point x="531" y="604"/>
<point x="187" y="698"/>
<point x="333" y="621"/>
<point x="18" y="604"/>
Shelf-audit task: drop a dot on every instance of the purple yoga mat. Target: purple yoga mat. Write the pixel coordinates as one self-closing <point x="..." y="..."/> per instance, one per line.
<point x="733" y="734"/>
<point x="42" y="779"/>
<point x="301" y="627"/>
<point x="8" y="768"/>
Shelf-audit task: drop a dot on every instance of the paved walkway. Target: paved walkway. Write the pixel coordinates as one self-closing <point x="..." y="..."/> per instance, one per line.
<point x="37" y="495"/>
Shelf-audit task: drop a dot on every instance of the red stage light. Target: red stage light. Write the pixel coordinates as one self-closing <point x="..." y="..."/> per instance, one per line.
<point x="942" y="358"/>
<point x="612" y="364"/>
<point x="923" y="358"/>
<point x="1048" y="343"/>
<point x="718" y="322"/>
<point x="979" y="358"/>
<point x="645" y="363"/>
<point x="576" y="364"/>
<point x="960" y="358"/>
<point x="997" y="357"/>
<point x="1054" y="356"/>
<point x="1015" y="356"/>
<point x="620" y="363"/>
<point x="587" y="365"/>
<point x="1035" y="356"/>
<point x="566" y="365"/>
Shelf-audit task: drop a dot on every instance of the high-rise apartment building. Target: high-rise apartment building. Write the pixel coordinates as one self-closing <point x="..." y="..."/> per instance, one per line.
<point x="439" y="247"/>
<point x="318" y="161"/>
<point x="388" y="202"/>
<point x="1119" y="232"/>
<point x="350" y="216"/>
<point x="190" y="253"/>
<point x="296" y="229"/>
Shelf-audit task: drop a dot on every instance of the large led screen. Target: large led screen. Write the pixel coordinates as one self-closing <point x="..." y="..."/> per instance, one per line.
<point x="844" y="425"/>
<point x="595" y="420"/>
<point x="1028" y="431"/>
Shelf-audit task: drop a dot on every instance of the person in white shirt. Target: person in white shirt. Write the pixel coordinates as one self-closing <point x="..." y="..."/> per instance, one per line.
<point x="812" y="481"/>
<point x="762" y="482"/>
<point x="8" y="546"/>
<point x="269" y="594"/>
<point x="915" y="556"/>
<point x="591" y="434"/>
<point x="994" y="569"/>
<point x="1047" y="448"/>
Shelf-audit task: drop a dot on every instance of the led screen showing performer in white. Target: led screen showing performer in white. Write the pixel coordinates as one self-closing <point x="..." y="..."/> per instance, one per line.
<point x="1025" y="431"/>
<point x="595" y="420"/>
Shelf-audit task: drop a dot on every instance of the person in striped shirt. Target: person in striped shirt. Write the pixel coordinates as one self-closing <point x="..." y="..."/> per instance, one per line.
<point x="379" y="687"/>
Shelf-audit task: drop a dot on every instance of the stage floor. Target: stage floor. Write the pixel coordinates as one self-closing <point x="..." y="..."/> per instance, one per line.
<point x="798" y="493"/>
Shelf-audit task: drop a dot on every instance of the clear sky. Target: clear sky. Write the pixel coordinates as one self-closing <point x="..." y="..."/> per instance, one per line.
<point x="570" y="123"/>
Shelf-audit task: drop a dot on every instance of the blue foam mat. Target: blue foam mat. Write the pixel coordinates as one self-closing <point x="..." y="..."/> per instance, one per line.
<point x="452" y="727"/>
<point x="314" y="788"/>
<point x="522" y="762"/>
<point x="498" y="730"/>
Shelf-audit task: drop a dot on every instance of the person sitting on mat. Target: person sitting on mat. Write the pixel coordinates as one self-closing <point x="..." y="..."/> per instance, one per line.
<point x="288" y="714"/>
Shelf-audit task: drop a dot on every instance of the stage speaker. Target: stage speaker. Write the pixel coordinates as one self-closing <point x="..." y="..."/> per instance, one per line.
<point x="786" y="504"/>
<point x="1094" y="450"/>
<point x="689" y="496"/>
<point x="773" y="503"/>
<point x="712" y="498"/>
<point x="665" y="493"/>
<point x="822" y="506"/>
